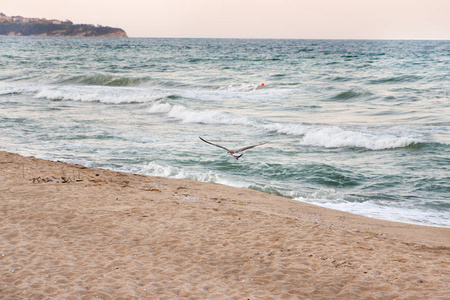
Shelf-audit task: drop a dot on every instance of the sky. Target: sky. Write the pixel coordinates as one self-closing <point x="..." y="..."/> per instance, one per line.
<point x="283" y="19"/>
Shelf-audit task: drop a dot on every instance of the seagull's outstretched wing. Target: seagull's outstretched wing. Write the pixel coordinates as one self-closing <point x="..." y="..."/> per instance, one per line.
<point x="248" y="147"/>
<point x="214" y="144"/>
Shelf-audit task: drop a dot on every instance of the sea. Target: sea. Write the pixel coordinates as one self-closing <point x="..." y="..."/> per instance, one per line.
<point x="361" y="126"/>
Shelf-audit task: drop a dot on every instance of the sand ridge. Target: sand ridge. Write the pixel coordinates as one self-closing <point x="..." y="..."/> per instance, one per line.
<point x="98" y="234"/>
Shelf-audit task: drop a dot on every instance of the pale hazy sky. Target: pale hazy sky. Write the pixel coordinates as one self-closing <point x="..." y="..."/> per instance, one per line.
<point x="298" y="19"/>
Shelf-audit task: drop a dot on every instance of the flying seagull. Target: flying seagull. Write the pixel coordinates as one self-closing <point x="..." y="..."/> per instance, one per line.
<point x="233" y="153"/>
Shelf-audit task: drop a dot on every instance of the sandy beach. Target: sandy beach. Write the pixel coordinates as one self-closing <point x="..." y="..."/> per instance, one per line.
<point x="71" y="232"/>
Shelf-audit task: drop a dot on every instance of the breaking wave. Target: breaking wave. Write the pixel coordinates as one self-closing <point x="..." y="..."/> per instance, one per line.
<point x="335" y="137"/>
<point x="403" y="212"/>
<point x="187" y="115"/>
<point x="7" y="89"/>
<point x="105" y="80"/>
<point x="287" y="128"/>
<point x="311" y="135"/>
<point x="155" y="169"/>
<point x="100" y="94"/>
<point x="112" y="90"/>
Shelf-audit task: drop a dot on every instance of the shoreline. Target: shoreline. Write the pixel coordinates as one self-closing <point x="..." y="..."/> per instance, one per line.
<point x="72" y="231"/>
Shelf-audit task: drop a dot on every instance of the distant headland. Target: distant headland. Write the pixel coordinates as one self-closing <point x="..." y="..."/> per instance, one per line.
<point x="20" y="26"/>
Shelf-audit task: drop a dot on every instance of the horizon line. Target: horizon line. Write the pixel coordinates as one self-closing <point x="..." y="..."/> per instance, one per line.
<point x="271" y="38"/>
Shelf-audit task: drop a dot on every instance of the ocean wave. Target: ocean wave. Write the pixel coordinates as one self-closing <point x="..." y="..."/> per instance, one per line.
<point x="351" y="94"/>
<point x="311" y="135"/>
<point x="188" y="115"/>
<point x="322" y="196"/>
<point x="116" y="90"/>
<point x="245" y="91"/>
<point x="8" y="91"/>
<point x="99" y="94"/>
<point x="241" y="87"/>
<point x="340" y="78"/>
<point x="286" y="128"/>
<point x="311" y="173"/>
<point x="335" y="137"/>
<point x="158" y="108"/>
<point x="105" y="80"/>
<point x="234" y="89"/>
<point x="155" y="169"/>
<point x="408" y="212"/>
<point x="103" y="94"/>
<point x="396" y="79"/>
<point x="11" y="89"/>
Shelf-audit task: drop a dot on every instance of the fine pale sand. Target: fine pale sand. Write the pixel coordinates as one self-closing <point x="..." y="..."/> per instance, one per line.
<point x="70" y="232"/>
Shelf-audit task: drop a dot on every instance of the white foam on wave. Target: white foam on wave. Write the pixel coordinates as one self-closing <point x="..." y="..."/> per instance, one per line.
<point x="187" y="115"/>
<point x="312" y="135"/>
<point x="158" y="108"/>
<point x="335" y="137"/>
<point x="399" y="212"/>
<point x="113" y="95"/>
<point x="286" y="128"/>
<point x="324" y="195"/>
<point x="155" y="169"/>
<point x="117" y="95"/>
<point x="241" y="87"/>
<point x="7" y="89"/>
<point x="249" y="92"/>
